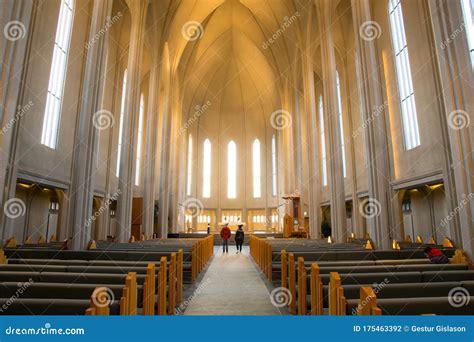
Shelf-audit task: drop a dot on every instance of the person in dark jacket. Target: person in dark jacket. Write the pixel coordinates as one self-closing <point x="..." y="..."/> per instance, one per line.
<point x="225" y="235"/>
<point x="436" y="256"/>
<point x="239" y="238"/>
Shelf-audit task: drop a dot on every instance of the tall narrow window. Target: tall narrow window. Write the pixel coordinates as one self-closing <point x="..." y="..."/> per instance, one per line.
<point x="341" y="123"/>
<point x="323" y="142"/>
<point x="274" y="166"/>
<point x="122" y="113"/>
<point x="139" y="140"/>
<point x="257" y="175"/>
<point x="190" y="166"/>
<point x="57" y="76"/>
<point x="468" y="11"/>
<point x="403" y="73"/>
<point x="206" y="170"/>
<point x="231" y="170"/>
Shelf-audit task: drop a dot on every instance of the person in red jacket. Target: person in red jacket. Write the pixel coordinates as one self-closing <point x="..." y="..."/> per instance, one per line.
<point x="225" y="235"/>
<point x="436" y="256"/>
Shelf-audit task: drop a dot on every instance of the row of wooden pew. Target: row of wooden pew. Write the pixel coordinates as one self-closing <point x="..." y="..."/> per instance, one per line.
<point x="344" y="279"/>
<point x="126" y="279"/>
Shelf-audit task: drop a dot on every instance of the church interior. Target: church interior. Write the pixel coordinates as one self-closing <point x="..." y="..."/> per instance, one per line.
<point x="333" y="139"/>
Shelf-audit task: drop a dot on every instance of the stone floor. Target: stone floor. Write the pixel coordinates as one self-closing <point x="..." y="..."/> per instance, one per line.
<point x="232" y="285"/>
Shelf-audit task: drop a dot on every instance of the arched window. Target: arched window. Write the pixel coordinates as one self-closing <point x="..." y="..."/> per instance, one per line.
<point x="206" y="170"/>
<point x="190" y="166"/>
<point x="274" y="166"/>
<point x="323" y="142"/>
<point x="57" y="75"/>
<point x="341" y="123"/>
<point x="403" y="73"/>
<point x="257" y="175"/>
<point x="122" y="113"/>
<point x="139" y="140"/>
<point x="231" y="170"/>
<point x="468" y="11"/>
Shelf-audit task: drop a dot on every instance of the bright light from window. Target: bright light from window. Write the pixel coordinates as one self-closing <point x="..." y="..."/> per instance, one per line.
<point x="274" y="166"/>
<point x="468" y="11"/>
<point x="122" y="113"/>
<point x="231" y="170"/>
<point x="257" y="191"/>
<point x="139" y="140"/>
<point x="57" y="76"/>
<point x="206" y="171"/>
<point x="323" y="142"/>
<point x="341" y="123"/>
<point x="190" y="165"/>
<point x="403" y="73"/>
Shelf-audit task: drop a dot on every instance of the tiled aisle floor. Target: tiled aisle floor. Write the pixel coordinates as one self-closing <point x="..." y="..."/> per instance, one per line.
<point x="231" y="286"/>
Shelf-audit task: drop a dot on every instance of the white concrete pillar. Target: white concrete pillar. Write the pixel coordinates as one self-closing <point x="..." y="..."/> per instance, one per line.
<point x="81" y="193"/>
<point x="165" y="187"/>
<point x="311" y="138"/>
<point x="15" y="24"/>
<point x="455" y="80"/>
<point x="138" y="10"/>
<point x="151" y="150"/>
<point x="326" y="16"/>
<point x="377" y="210"/>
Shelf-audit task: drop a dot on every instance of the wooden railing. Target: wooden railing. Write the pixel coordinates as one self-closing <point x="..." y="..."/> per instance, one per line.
<point x="368" y="303"/>
<point x="316" y="291"/>
<point x="202" y="251"/>
<point x="95" y="309"/>
<point x="168" y="285"/>
<point x="261" y="252"/>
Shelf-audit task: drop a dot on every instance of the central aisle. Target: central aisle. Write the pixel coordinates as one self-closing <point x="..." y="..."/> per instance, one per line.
<point x="231" y="286"/>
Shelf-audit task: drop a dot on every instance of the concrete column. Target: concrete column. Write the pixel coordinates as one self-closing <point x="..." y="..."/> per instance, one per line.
<point x="81" y="193"/>
<point x="313" y="182"/>
<point x="377" y="209"/>
<point x="454" y="83"/>
<point x="326" y="11"/>
<point x="150" y="150"/>
<point x="16" y="23"/>
<point x="165" y="187"/>
<point x="138" y="10"/>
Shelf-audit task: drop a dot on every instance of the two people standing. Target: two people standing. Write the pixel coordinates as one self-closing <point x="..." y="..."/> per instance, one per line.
<point x="226" y="234"/>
